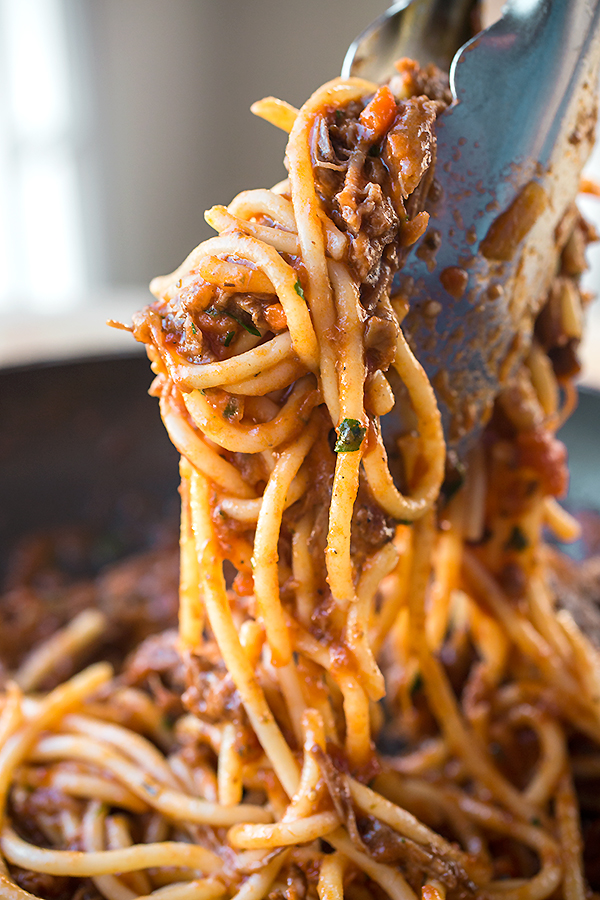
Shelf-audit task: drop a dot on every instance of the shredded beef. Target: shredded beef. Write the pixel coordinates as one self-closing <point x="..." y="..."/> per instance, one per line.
<point x="363" y="183"/>
<point x="380" y="338"/>
<point x="386" y="846"/>
<point x="139" y="596"/>
<point x="211" y="694"/>
<point x="158" y="654"/>
<point x="50" y="887"/>
<point x="371" y="526"/>
<point x="410" y="145"/>
<point x="427" y="80"/>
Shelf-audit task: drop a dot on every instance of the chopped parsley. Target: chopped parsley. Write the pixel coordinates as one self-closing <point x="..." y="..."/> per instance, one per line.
<point x="229" y="337"/>
<point x="375" y="150"/>
<point x="236" y="318"/>
<point x="339" y="115"/>
<point x="231" y="407"/>
<point x="298" y="289"/>
<point x="252" y="329"/>
<point x="517" y="541"/>
<point x="350" y="436"/>
<point x="194" y="329"/>
<point x="536" y="822"/>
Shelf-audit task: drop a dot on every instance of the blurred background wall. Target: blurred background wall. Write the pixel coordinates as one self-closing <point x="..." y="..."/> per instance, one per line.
<point x="121" y="121"/>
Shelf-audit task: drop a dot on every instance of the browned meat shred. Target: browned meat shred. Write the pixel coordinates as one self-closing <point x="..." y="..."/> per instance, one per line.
<point x="386" y="846"/>
<point x="50" y="887"/>
<point x="356" y="178"/>
<point x="211" y="694"/>
<point x="138" y="595"/>
<point x="422" y="80"/>
<point x="157" y="655"/>
<point x="372" y="528"/>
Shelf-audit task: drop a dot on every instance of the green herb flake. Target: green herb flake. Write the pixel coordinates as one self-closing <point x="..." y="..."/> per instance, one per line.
<point x="375" y="150"/>
<point x="212" y="311"/>
<point x="517" y="541"/>
<point x="417" y="684"/>
<point x="339" y="115"/>
<point x="231" y="407"/>
<point x="536" y="822"/>
<point x="350" y="436"/>
<point x="250" y="328"/>
<point x="194" y="329"/>
<point x="298" y="289"/>
<point x="229" y="337"/>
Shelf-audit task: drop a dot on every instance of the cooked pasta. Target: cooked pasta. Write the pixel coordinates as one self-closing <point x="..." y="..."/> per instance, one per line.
<point x="373" y="692"/>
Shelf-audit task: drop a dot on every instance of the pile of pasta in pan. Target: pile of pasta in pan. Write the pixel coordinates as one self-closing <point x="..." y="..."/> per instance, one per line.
<point x="374" y="692"/>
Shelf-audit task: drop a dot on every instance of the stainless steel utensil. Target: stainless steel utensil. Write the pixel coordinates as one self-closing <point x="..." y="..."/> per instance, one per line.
<point x="510" y="152"/>
<point x="425" y="30"/>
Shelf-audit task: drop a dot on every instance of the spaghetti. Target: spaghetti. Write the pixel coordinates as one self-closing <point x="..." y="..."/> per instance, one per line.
<point x="381" y="696"/>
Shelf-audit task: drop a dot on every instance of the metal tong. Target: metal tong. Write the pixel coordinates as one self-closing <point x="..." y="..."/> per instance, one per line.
<point x="510" y="152"/>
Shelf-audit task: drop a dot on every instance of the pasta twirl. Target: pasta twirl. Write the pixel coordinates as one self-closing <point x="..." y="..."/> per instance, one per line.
<point x="372" y="693"/>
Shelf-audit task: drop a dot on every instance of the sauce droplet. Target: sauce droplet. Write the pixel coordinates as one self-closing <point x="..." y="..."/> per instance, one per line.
<point x="455" y="280"/>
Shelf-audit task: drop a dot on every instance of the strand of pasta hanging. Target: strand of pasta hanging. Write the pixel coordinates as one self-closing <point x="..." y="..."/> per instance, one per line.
<point x="286" y="360"/>
<point x="336" y="599"/>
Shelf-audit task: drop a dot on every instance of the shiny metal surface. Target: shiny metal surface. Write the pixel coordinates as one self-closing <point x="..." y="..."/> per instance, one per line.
<point x="525" y="95"/>
<point x="525" y="103"/>
<point x="425" y="30"/>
